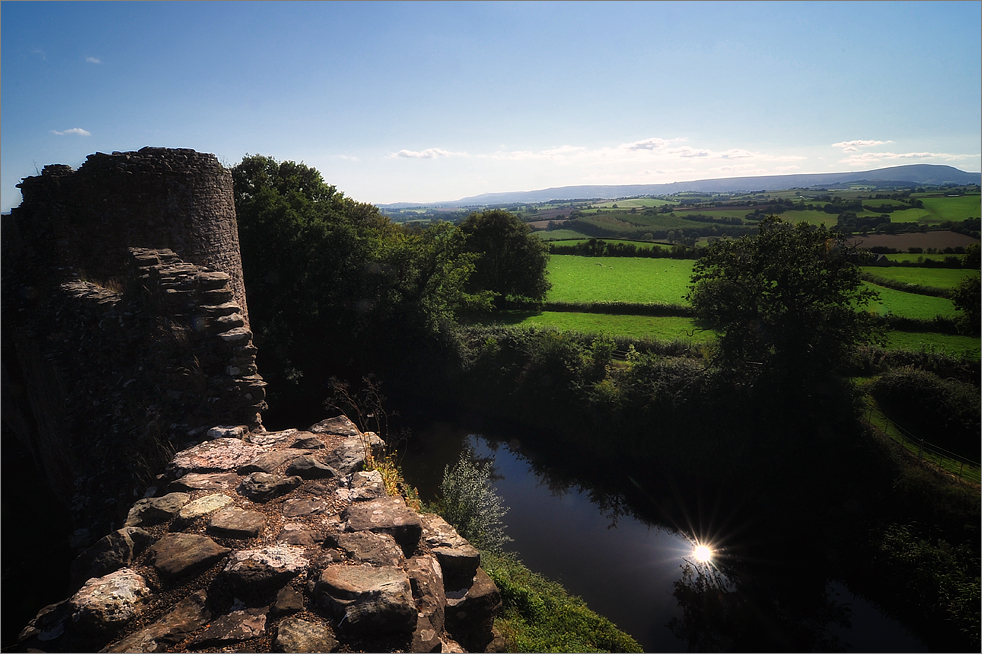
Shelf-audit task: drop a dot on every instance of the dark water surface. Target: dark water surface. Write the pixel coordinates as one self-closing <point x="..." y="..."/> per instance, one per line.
<point x="622" y="566"/>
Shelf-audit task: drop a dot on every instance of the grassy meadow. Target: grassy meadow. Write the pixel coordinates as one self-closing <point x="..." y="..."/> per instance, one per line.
<point x="937" y="277"/>
<point x="910" y="305"/>
<point x="618" y="279"/>
<point x="577" y="279"/>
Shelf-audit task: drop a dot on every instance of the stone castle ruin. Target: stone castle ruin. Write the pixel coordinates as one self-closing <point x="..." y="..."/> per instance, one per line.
<point x="129" y="375"/>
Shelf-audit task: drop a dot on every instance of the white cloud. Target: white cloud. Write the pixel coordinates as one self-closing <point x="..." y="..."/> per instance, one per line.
<point x="75" y="131"/>
<point x="687" y="153"/>
<point x="428" y="153"/>
<point x="647" y="144"/>
<point x="93" y="60"/>
<point x="853" y="146"/>
<point x="39" y="53"/>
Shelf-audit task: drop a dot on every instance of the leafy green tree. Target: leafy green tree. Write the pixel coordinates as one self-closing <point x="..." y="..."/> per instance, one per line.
<point x="967" y="296"/>
<point x="333" y="285"/>
<point x="789" y="298"/>
<point x="513" y="261"/>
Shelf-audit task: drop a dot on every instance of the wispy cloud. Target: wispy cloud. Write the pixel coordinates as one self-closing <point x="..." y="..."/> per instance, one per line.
<point x="853" y="146"/>
<point x="38" y="53"/>
<point x="93" y="60"/>
<point x="75" y="131"/>
<point x="648" y="144"/>
<point x="428" y="153"/>
<point x="657" y="150"/>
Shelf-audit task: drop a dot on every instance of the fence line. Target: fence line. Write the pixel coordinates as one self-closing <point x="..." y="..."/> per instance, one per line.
<point x="961" y="466"/>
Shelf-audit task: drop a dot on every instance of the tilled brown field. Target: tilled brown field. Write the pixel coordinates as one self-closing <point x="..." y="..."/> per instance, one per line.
<point x="902" y="242"/>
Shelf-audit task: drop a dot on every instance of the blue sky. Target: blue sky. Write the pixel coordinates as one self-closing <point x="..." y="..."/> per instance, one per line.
<point x="426" y="102"/>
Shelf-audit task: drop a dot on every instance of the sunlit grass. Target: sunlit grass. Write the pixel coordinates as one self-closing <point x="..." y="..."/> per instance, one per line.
<point x="539" y="615"/>
<point x="936" y="277"/>
<point x="618" y="279"/>
<point x="949" y="344"/>
<point x="911" y="305"/>
<point x="669" y="328"/>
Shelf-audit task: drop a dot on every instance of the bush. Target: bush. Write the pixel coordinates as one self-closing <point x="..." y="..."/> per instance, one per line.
<point x="942" y="411"/>
<point x="471" y="504"/>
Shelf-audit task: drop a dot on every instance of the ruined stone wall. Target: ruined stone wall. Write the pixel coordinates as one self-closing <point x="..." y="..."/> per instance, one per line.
<point x="87" y="219"/>
<point x="125" y="329"/>
<point x="274" y="541"/>
<point x="112" y="380"/>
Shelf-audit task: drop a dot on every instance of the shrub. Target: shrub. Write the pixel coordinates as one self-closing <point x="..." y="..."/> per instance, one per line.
<point x="471" y="504"/>
<point x="941" y="411"/>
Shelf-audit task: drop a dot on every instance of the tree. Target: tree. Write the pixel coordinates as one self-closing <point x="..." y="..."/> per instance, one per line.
<point x="331" y="282"/>
<point x="967" y="296"/>
<point x="789" y="298"/>
<point x="513" y="261"/>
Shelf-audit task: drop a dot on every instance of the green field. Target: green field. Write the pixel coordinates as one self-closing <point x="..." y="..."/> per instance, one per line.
<point x="559" y="234"/>
<point x="618" y="279"/>
<point x="955" y="209"/>
<point x="910" y="305"/>
<point x="668" y="328"/>
<point x="955" y="346"/>
<point x="690" y="329"/>
<point x="903" y="216"/>
<point x="812" y="217"/>
<point x="936" y="277"/>
<point x="640" y="244"/>
<point x="918" y="258"/>
<point x="633" y="203"/>
<point x="666" y="281"/>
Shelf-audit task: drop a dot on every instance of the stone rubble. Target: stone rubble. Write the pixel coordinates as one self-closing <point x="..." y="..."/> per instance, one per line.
<point x="236" y="552"/>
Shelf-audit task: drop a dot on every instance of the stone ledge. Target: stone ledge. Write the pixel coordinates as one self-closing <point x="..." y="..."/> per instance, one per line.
<point x="316" y="564"/>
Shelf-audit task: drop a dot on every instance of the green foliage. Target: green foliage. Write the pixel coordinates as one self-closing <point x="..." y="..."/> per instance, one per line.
<point x="789" y="298"/>
<point x="967" y="298"/>
<point x="470" y="503"/>
<point x="937" y="578"/>
<point x="323" y="269"/>
<point x="512" y="261"/>
<point x="943" y="411"/>
<point x="539" y="615"/>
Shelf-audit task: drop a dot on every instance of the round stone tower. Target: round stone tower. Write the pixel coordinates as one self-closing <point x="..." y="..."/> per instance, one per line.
<point x="87" y="219"/>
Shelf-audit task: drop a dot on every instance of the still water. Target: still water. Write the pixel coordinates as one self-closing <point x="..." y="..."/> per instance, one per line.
<point x="622" y="566"/>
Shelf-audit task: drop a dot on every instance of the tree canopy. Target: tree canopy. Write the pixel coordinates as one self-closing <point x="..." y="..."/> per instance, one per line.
<point x="329" y="279"/>
<point x="789" y="298"/>
<point x="512" y="262"/>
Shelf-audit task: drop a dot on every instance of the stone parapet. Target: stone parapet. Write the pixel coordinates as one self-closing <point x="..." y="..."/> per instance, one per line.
<point x="328" y="563"/>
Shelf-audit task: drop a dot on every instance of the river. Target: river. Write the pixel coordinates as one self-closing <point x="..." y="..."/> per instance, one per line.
<point x="623" y="566"/>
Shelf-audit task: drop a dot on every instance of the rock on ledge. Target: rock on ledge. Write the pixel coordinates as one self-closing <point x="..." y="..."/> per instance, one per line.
<point x="274" y="541"/>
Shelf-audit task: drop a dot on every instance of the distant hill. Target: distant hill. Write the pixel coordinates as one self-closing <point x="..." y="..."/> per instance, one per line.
<point x="927" y="174"/>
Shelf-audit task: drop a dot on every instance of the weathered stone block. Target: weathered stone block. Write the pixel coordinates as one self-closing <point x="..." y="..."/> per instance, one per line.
<point x="234" y="522"/>
<point x="180" y="554"/>
<point x="155" y="510"/>
<point x="296" y="635"/>
<point x="388" y="515"/>
<point x="105" y="604"/>
<point x="470" y="618"/>
<point x="367" y="599"/>
<point x="261" y="487"/>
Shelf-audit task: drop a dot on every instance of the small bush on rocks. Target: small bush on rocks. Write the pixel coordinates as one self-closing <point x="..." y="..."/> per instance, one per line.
<point x="471" y="504"/>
